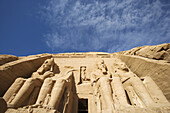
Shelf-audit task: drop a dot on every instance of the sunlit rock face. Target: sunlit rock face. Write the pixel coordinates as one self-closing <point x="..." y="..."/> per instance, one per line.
<point x="93" y="82"/>
<point x="158" y="52"/>
<point x="7" y="58"/>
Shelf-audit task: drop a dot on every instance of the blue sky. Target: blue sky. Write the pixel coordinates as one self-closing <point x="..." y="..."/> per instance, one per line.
<point x="56" y="26"/>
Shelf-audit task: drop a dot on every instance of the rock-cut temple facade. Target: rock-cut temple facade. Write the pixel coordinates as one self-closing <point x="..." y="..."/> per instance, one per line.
<point x="85" y="83"/>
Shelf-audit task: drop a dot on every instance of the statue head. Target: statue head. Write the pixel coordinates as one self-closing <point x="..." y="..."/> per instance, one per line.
<point x="121" y="66"/>
<point x="48" y="65"/>
<point x="83" y="68"/>
<point x="101" y="66"/>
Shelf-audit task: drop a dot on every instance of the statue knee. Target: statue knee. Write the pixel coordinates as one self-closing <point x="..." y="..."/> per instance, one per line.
<point x="19" y="80"/>
<point x="49" y="73"/>
<point x="135" y="80"/>
<point x="60" y="81"/>
<point x="30" y="80"/>
<point x="47" y="80"/>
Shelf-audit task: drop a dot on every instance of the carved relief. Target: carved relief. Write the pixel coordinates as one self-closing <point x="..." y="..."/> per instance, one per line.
<point x="21" y="89"/>
<point x="110" y="86"/>
<point x="52" y="90"/>
<point x="83" y="75"/>
<point x="136" y="90"/>
<point x="101" y="71"/>
<point x="102" y="89"/>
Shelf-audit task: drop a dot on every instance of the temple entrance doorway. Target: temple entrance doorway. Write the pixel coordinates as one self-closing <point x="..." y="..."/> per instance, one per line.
<point x="83" y="106"/>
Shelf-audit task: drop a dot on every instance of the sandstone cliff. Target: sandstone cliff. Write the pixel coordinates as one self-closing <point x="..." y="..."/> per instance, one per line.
<point x="158" y="52"/>
<point x="7" y="58"/>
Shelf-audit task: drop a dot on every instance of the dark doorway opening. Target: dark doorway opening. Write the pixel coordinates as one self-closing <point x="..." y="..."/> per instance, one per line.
<point x="83" y="106"/>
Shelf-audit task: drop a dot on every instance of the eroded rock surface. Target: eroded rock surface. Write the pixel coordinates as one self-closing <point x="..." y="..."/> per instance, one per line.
<point x="158" y="52"/>
<point x="7" y="58"/>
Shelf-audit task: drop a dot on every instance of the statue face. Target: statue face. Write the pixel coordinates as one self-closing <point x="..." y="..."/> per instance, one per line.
<point x="123" y="67"/>
<point x="104" y="69"/>
<point x="83" y="69"/>
<point x="46" y="66"/>
<point x="102" y="66"/>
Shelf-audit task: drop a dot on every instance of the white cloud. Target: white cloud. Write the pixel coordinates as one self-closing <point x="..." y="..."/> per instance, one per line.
<point x="112" y="25"/>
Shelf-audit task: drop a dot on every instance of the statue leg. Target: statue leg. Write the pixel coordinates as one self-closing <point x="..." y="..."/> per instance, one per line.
<point x="45" y="89"/>
<point x="106" y="94"/>
<point x="33" y="96"/>
<point x="98" y="103"/>
<point x="14" y="89"/>
<point x="134" y="99"/>
<point x="69" y="102"/>
<point x="95" y="98"/>
<point x="24" y="93"/>
<point x="155" y="91"/>
<point x="119" y="92"/>
<point x="57" y="93"/>
<point x="141" y="91"/>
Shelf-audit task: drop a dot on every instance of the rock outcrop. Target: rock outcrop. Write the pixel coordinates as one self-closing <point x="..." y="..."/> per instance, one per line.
<point x="7" y="58"/>
<point x="158" y="52"/>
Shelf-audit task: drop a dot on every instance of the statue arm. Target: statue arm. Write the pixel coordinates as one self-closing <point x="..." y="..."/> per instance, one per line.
<point x="68" y="75"/>
<point x="46" y="75"/>
<point x="94" y="78"/>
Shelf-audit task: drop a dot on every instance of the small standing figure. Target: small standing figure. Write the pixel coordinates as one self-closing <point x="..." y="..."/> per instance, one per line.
<point x="83" y="76"/>
<point x="83" y="73"/>
<point x="47" y="99"/>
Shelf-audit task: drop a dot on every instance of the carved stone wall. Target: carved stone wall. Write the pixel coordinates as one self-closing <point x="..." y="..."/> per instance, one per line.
<point x="83" y="82"/>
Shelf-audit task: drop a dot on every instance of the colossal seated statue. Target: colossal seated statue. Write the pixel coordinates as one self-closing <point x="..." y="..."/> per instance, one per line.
<point x="24" y="91"/>
<point x="123" y="89"/>
<point x="131" y="81"/>
<point x="137" y="94"/>
<point x="53" y="90"/>
<point x="55" y="95"/>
